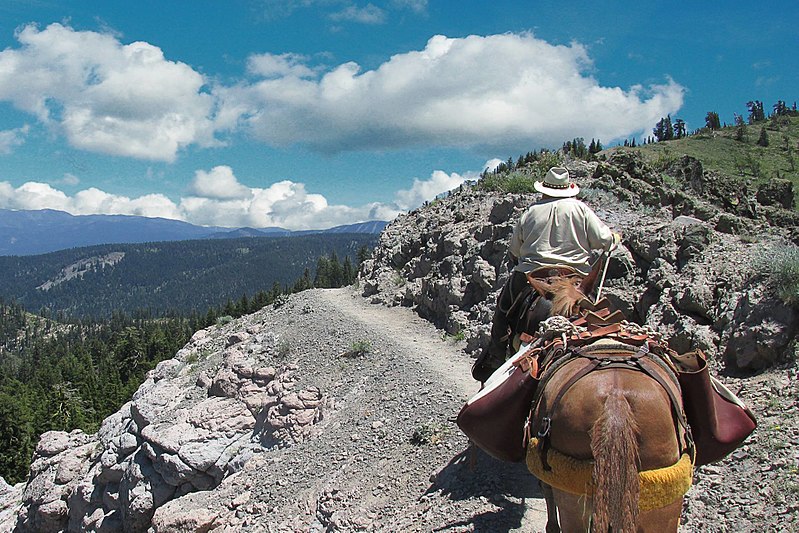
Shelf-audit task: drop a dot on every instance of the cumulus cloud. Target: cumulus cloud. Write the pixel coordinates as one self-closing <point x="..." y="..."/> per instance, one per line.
<point x="492" y="164"/>
<point x="36" y="195"/>
<point x="426" y="190"/>
<point x="496" y="91"/>
<point x="105" y="96"/>
<point x="501" y="91"/>
<point x="217" y="198"/>
<point x="10" y="139"/>
<point x="219" y="183"/>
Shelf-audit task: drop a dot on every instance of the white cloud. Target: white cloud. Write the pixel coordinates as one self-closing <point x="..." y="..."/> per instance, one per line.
<point x="217" y="198"/>
<point x="105" y="96"/>
<point x="279" y="65"/>
<point x="496" y="91"/>
<point x="492" y="164"/>
<point x="422" y="191"/>
<point x="36" y="195"/>
<point x="10" y="139"/>
<point x="219" y="183"/>
<point x="509" y="91"/>
<point x="368" y="14"/>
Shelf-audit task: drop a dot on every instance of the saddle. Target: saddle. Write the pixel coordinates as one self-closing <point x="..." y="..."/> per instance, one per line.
<point x="709" y="420"/>
<point x="623" y="345"/>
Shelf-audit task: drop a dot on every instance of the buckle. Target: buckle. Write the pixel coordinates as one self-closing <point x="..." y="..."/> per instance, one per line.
<point x="546" y="425"/>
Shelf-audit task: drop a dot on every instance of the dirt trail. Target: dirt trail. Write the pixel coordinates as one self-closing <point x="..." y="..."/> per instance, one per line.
<point x="508" y="485"/>
<point x="418" y="337"/>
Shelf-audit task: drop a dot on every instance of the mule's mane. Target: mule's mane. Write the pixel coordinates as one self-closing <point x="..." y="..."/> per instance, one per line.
<point x="565" y="296"/>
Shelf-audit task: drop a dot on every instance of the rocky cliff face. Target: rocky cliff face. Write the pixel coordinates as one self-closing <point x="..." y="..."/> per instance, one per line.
<point x="196" y="420"/>
<point x="694" y="261"/>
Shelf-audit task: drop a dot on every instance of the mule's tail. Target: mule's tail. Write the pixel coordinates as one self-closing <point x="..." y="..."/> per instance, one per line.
<point x="614" y="446"/>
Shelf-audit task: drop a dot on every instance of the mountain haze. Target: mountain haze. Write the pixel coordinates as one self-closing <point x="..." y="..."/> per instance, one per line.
<point x="41" y="231"/>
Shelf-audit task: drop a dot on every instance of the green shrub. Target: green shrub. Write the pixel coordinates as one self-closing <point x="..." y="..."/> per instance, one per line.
<point x="428" y="433"/>
<point x="359" y="348"/>
<point x="521" y="180"/>
<point x="222" y="320"/>
<point x="280" y="301"/>
<point x="458" y="336"/>
<point x="782" y="265"/>
<point x="786" y="276"/>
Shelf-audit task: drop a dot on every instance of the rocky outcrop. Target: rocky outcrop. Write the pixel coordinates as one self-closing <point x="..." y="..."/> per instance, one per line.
<point x="10" y="502"/>
<point x="197" y="419"/>
<point x="691" y="265"/>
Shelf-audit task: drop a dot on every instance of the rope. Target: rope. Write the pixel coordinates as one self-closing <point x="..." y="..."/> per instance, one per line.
<point x="637" y="329"/>
<point x="555" y="326"/>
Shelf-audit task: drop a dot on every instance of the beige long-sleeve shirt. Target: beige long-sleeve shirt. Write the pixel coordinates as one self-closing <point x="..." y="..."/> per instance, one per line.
<point x="559" y="231"/>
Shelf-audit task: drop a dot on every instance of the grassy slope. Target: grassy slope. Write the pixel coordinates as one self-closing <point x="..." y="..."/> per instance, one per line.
<point x="720" y="151"/>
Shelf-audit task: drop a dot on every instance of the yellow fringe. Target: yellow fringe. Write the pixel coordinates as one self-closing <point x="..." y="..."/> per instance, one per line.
<point x="659" y="487"/>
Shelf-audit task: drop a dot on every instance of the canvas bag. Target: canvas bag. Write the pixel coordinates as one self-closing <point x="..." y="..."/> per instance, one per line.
<point x="494" y="418"/>
<point x="719" y="421"/>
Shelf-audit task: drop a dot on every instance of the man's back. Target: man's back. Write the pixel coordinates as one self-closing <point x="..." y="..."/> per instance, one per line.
<point x="558" y="231"/>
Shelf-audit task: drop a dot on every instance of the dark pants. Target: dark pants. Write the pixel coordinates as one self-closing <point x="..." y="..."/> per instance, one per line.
<point x="495" y="353"/>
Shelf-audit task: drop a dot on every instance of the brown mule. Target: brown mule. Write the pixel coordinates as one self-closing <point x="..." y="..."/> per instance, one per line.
<point x="619" y="420"/>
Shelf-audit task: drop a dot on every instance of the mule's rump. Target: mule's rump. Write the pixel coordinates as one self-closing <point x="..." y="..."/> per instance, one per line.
<point x="659" y="487"/>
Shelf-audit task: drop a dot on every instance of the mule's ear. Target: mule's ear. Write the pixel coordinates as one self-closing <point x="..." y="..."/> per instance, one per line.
<point x="539" y="285"/>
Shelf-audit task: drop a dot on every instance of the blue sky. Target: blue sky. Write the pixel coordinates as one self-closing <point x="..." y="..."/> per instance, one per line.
<point x="313" y="113"/>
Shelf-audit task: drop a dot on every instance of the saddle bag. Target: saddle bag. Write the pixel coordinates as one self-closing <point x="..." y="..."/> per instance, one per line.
<point x="719" y="421"/>
<point x="494" y="418"/>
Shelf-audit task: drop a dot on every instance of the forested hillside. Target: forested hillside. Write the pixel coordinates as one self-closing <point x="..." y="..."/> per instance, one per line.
<point x="67" y="376"/>
<point x="164" y="277"/>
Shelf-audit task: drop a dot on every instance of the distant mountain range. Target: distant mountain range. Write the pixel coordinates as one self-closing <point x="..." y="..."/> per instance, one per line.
<point x="37" y="232"/>
<point x="183" y="276"/>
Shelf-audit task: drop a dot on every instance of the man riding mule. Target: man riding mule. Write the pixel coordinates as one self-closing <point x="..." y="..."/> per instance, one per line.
<point x="605" y="429"/>
<point x="555" y="236"/>
<point x="605" y="414"/>
<point x="607" y="433"/>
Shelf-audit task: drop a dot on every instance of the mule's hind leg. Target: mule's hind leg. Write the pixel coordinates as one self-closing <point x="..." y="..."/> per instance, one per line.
<point x="665" y="519"/>
<point x="574" y="511"/>
<point x="552" y="510"/>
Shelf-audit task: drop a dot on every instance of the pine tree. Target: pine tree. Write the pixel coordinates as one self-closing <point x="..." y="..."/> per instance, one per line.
<point x="712" y="120"/>
<point x="363" y="254"/>
<point x="322" y="277"/>
<point x="679" y="128"/>
<point x="664" y="131"/>
<point x="336" y="271"/>
<point x="763" y="139"/>
<point x="348" y="272"/>
<point x="756" y="113"/>
<point x="780" y="108"/>
<point x="740" y="128"/>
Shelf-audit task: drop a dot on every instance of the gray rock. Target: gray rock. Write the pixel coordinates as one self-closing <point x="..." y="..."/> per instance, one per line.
<point x="52" y="443"/>
<point x="776" y="191"/>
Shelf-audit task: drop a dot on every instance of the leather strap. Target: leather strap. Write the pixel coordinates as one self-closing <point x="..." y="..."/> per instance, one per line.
<point x="641" y="360"/>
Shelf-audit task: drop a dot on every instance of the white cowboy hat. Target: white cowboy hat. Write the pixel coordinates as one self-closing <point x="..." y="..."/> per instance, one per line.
<point x="557" y="183"/>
